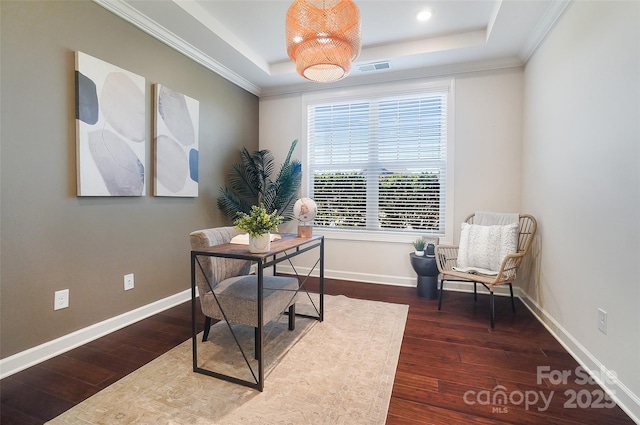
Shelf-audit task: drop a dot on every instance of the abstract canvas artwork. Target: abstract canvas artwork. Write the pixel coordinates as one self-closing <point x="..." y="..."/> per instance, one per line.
<point x="110" y="118"/>
<point x="176" y="143"/>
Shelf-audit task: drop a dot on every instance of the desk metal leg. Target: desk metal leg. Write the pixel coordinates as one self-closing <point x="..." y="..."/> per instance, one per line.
<point x="321" y="279"/>
<point x="260" y="333"/>
<point x="193" y="312"/>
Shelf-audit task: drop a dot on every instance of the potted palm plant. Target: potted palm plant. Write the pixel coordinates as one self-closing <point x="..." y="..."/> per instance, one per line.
<point x="254" y="181"/>
<point x="259" y="224"/>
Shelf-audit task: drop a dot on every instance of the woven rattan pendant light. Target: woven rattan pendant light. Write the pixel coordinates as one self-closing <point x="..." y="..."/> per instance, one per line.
<point x="323" y="38"/>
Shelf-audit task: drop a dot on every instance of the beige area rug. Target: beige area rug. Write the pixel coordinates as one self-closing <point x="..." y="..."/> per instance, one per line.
<point x="339" y="371"/>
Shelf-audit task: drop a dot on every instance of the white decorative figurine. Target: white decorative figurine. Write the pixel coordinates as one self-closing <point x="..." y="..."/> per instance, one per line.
<point x="305" y="210"/>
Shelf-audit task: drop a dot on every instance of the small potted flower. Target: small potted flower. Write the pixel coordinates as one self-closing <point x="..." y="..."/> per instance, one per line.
<point x="259" y="224"/>
<point x="419" y="245"/>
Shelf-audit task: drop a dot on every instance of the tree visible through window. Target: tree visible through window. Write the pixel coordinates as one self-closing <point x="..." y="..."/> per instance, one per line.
<point x="379" y="163"/>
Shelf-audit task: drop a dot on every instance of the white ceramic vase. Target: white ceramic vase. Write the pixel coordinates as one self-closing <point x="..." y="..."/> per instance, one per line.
<point x="260" y="244"/>
<point x="419" y="253"/>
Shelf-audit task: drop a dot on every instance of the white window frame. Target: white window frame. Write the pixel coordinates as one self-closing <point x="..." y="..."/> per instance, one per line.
<point x="366" y="91"/>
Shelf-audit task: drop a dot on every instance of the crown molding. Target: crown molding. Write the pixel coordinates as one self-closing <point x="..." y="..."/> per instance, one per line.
<point x="540" y="32"/>
<point x="133" y="16"/>
<point x="201" y="15"/>
<point x="125" y="11"/>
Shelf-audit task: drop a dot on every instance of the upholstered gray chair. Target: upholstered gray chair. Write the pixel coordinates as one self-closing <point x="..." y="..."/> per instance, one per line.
<point x="235" y="289"/>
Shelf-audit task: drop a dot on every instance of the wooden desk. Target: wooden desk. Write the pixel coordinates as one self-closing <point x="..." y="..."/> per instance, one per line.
<point x="289" y="246"/>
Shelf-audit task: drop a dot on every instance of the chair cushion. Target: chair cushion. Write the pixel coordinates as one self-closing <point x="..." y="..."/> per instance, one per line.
<point x="238" y="298"/>
<point x="485" y="247"/>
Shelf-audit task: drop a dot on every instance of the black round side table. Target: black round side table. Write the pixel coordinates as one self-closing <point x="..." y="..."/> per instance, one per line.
<point x="427" y="271"/>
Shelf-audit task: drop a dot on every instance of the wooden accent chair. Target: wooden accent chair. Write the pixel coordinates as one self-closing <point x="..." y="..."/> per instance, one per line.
<point x="228" y="292"/>
<point x="503" y="274"/>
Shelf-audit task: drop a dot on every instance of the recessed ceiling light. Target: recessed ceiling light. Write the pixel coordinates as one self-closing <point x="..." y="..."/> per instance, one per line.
<point x="424" y="15"/>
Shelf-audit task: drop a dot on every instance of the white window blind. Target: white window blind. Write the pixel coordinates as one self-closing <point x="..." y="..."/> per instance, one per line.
<point x="379" y="163"/>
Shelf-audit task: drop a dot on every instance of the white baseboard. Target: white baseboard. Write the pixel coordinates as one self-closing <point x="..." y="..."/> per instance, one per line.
<point x="620" y="393"/>
<point x="458" y="286"/>
<point x="40" y="353"/>
<point x="350" y="276"/>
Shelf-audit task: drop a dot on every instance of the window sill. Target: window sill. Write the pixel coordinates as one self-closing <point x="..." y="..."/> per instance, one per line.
<point x="373" y="236"/>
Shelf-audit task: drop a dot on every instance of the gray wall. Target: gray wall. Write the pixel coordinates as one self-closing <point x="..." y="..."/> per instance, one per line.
<point x="50" y="238"/>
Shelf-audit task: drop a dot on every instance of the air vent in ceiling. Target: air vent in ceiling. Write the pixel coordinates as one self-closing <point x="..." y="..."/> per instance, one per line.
<point x="377" y="66"/>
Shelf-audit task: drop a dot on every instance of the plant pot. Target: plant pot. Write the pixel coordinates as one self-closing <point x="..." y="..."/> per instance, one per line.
<point x="260" y="244"/>
<point x="419" y="253"/>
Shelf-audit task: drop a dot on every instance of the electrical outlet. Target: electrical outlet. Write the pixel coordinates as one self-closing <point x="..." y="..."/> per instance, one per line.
<point x="128" y="281"/>
<point x="602" y="321"/>
<point x="61" y="299"/>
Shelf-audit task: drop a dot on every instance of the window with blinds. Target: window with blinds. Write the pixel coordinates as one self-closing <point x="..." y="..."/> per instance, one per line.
<point x="379" y="163"/>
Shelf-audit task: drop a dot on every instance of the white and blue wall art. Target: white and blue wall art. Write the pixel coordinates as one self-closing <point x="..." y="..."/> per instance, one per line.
<point x="176" y="143"/>
<point x="110" y="118"/>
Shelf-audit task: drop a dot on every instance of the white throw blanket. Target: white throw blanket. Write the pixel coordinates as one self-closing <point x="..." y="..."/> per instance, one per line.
<point x="485" y="218"/>
<point x="475" y="270"/>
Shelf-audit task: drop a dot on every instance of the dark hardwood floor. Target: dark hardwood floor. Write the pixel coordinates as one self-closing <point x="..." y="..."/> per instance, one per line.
<point x="451" y="366"/>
